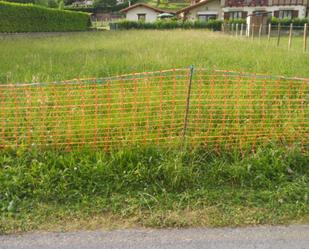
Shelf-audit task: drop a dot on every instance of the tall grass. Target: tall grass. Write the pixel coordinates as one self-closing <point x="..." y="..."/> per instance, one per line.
<point x="42" y="58"/>
<point x="150" y="185"/>
<point x="226" y="110"/>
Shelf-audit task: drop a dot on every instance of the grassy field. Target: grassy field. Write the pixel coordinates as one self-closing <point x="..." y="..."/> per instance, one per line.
<point x="174" y="6"/>
<point x="86" y="188"/>
<point x="36" y="58"/>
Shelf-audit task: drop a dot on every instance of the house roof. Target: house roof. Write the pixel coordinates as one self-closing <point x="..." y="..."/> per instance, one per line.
<point x="186" y="9"/>
<point x="146" y="6"/>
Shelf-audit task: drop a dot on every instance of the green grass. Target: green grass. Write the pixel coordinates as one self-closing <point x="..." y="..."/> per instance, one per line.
<point x="28" y="58"/>
<point x="227" y="110"/>
<point x="152" y="187"/>
<point x="296" y="44"/>
<point x="56" y="189"/>
<point x="173" y="6"/>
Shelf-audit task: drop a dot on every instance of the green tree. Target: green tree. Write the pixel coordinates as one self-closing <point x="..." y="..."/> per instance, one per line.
<point x="52" y="4"/>
<point x="41" y="2"/>
<point x="104" y="3"/>
<point x="165" y="2"/>
<point x="20" y="1"/>
<point x="60" y="4"/>
<point x="68" y="2"/>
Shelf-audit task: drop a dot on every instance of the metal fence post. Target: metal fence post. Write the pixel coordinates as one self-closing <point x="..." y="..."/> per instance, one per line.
<point x="241" y="29"/>
<point x="185" y="126"/>
<point x="305" y="37"/>
<point x="278" y="34"/>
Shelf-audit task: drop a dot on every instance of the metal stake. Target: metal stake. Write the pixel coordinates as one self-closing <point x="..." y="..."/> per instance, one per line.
<point x="187" y="106"/>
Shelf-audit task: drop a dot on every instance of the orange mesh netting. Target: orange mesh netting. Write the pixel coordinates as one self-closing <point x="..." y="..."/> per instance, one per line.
<point x="221" y="108"/>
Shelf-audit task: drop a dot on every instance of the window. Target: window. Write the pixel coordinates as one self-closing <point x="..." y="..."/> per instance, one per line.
<point x="235" y="14"/>
<point x="289" y="14"/>
<point x="259" y="12"/>
<point x="141" y="17"/>
<point x="262" y="13"/>
<point x="285" y="14"/>
<point x="205" y="18"/>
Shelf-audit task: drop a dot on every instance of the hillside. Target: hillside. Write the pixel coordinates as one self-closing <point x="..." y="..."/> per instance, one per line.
<point x="173" y="5"/>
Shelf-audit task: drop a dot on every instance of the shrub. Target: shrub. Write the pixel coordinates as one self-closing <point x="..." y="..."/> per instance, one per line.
<point x="21" y="1"/>
<point x="52" y="4"/>
<point x="30" y="18"/>
<point x="235" y="21"/>
<point x="214" y="25"/>
<point x="286" y="21"/>
<point x="300" y="21"/>
<point x="80" y="9"/>
<point x="169" y="24"/>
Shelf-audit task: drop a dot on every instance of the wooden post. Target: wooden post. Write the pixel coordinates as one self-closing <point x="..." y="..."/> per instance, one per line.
<point x="290" y="36"/>
<point x="260" y="32"/>
<point x="222" y="27"/>
<point x="269" y="31"/>
<point x="252" y="32"/>
<point x="278" y="34"/>
<point x="232" y="28"/>
<point x="247" y="30"/>
<point x="236" y="30"/>
<point x="305" y="36"/>
<point x="241" y="29"/>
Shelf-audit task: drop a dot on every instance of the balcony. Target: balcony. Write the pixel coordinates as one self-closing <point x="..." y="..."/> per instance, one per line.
<point x="288" y="2"/>
<point x="251" y="3"/>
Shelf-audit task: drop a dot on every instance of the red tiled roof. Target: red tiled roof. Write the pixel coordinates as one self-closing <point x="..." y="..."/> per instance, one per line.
<point x="146" y="6"/>
<point x="193" y="6"/>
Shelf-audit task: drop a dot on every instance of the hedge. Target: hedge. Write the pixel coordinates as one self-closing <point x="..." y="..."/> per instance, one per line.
<point x="168" y="24"/>
<point x="17" y="17"/>
<point x="236" y="21"/>
<point x="21" y="1"/>
<point x="286" y="21"/>
<point x="80" y="9"/>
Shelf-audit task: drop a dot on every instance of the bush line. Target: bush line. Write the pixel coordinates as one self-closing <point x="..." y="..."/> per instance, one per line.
<point x="17" y="17"/>
<point x="168" y="24"/>
<point x="286" y="21"/>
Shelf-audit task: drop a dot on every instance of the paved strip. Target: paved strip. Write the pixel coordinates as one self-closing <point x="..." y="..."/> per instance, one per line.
<point x="264" y="237"/>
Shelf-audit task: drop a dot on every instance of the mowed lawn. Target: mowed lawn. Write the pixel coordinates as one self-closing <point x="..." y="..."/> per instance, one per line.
<point x="53" y="57"/>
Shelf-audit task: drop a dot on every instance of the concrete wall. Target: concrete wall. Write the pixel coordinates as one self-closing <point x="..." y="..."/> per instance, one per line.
<point x="151" y="15"/>
<point x="209" y="8"/>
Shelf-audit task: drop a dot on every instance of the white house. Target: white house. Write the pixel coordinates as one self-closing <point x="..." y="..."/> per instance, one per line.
<point x="234" y="9"/>
<point x="202" y="11"/>
<point x="224" y="10"/>
<point x="278" y="8"/>
<point x="142" y="12"/>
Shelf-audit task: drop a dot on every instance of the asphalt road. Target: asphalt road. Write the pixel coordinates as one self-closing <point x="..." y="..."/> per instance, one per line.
<point x="294" y="237"/>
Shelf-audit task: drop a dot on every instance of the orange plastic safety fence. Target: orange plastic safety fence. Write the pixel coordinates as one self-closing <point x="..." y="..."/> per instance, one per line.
<point x="224" y="109"/>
